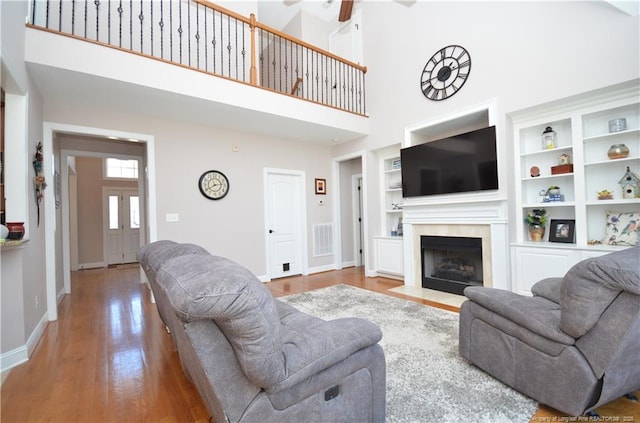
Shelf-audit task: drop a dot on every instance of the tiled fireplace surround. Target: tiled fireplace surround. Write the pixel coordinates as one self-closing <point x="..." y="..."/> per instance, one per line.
<point x="486" y="220"/>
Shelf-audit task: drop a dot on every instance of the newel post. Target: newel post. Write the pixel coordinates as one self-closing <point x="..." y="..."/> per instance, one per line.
<point x="253" y="71"/>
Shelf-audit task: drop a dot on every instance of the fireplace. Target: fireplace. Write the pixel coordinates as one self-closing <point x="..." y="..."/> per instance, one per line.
<point x="451" y="263"/>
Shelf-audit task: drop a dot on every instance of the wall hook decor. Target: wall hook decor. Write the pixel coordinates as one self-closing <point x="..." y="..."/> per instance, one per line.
<point x="39" y="182"/>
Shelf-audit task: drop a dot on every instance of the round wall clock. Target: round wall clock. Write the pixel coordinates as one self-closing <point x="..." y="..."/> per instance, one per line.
<point x="213" y="184"/>
<point x="445" y="73"/>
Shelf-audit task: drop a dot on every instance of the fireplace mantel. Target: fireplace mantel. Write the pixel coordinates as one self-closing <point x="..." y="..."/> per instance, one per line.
<point x="486" y="220"/>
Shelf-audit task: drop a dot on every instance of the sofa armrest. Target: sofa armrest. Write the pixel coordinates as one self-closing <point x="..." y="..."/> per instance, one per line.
<point x="311" y="345"/>
<point x="548" y="288"/>
<point x="539" y="315"/>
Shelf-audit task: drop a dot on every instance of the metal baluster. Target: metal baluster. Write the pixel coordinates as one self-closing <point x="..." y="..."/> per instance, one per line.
<point x="229" y="45"/>
<point x="109" y="22"/>
<point x="73" y="17"/>
<point x="86" y="6"/>
<point x="236" y="29"/>
<point x="130" y="24"/>
<point x="189" y="32"/>
<point x="206" y="37"/>
<point x="170" y="31"/>
<point x="180" y="27"/>
<point x="141" y="19"/>
<point x="244" y="53"/>
<point x="97" y="3"/>
<point x="161" y="25"/>
<point x="221" y="46"/>
<point x="47" y="16"/>
<point x="198" y="35"/>
<point x="151" y="24"/>
<point x="60" y="16"/>
<point x="120" y="10"/>
<point x="213" y="41"/>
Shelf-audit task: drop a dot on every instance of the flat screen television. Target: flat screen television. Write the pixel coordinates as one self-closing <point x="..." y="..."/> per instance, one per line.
<point x="461" y="163"/>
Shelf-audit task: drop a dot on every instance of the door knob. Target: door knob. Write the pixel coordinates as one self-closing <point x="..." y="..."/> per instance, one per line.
<point x="270" y="231"/>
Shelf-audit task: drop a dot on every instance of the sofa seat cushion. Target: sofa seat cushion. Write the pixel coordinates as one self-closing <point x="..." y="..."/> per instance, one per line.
<point x="590" y="287"/>
<point x="538" y="314"/>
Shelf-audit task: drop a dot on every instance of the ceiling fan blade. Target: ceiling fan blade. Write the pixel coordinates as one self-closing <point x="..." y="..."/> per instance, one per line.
<point x="345" y="10"/>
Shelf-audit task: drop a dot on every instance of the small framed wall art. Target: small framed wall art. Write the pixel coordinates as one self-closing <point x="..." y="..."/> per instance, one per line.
<point x="562" y="231"/>
<point x="321" y="186"/>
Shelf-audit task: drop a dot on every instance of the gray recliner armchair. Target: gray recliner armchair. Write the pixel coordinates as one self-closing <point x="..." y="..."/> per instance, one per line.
<point x="256" y="359"/>
<point x="574" y="345"/>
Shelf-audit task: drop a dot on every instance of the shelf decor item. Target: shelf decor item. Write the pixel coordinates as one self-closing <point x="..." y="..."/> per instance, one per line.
<point x="605" y="194"/>
<point x="630" y="184"/>
<point x="16" y="230"/>
<point x="536" y="220"/>
<point x="623" y="228"/>
<point x="617" y="125"/>
<point x="549" y="137"/>
<point x="564" y="165"/>
<point x="39" y="183"/>
<point x="562" y="231"/>
<point x="552" y="195"/>
<point x="618" y="151"/>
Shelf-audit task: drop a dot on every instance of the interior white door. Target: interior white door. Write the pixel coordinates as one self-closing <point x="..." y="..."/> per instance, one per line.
<point x="284" y="224"/>
<point x="122" y="225"/>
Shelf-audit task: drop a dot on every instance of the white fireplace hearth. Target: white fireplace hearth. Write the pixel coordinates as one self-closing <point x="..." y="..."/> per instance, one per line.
<point x="486" y="220"/>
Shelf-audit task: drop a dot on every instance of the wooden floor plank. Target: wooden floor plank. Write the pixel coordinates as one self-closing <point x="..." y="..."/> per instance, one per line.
<point x="108" y="359"/>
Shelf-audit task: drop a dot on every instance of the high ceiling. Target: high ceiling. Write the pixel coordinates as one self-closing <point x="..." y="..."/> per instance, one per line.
<point x="277" y="14"/>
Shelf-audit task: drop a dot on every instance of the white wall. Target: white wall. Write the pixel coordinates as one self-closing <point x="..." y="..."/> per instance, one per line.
<point x="28" y="280"/>
<point x="234" y="226"/>
<point x="523" y="54"/>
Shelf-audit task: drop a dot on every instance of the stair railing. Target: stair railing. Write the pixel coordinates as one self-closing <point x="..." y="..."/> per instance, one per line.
<point x="208" y="38"/>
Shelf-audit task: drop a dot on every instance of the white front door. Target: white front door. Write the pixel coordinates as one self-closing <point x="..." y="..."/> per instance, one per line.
<point x="284" y="219"/>
<point x="122" y="225"/>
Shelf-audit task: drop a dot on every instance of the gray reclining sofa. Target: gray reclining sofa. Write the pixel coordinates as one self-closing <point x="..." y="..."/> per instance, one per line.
<point x="254" y="358"/>
<point x="574" y="345"/>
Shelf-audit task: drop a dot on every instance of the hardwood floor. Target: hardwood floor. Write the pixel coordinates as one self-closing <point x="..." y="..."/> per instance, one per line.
<point x="108" y="358"/>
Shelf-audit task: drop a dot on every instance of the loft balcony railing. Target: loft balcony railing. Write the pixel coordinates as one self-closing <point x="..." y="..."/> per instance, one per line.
<point x="211" y="39"/>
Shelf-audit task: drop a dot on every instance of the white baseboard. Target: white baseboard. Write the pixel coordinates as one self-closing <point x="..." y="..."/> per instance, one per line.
<point x="12" y="358"/>
<point x="36" y="335"/>
<point x="60" y="296"/>
<point x="320" y="269"/>
<point x="20" y="355"/>
<point x="95" y="265"/>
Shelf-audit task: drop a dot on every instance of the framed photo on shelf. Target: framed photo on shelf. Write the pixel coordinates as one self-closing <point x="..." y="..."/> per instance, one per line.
<point x="321" y="186"/>
<point x="562" y="231"/>
<point x="396" y="164"/>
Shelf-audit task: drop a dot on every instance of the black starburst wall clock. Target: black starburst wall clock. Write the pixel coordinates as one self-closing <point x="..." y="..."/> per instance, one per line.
<point x="445" y="72"/>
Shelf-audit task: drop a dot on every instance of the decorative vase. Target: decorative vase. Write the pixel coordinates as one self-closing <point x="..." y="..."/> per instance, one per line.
<point x="549" y="137"/>
<point x="618" y="151"/>
<point x="4" y="231"/>
<point x="16" y="230"/>
<point x="536" y="232"/>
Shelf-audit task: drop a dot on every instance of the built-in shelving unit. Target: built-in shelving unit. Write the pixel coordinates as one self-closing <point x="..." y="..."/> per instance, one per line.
<point x="582" y="126"/>
<point x="388" y="246"/>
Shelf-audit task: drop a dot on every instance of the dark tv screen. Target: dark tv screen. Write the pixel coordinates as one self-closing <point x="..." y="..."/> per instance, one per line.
<point x="461" y="163"/>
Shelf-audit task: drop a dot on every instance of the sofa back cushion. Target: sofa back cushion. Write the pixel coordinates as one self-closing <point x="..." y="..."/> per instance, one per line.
<point x="152" y="256"/>
<point x="215" y="288"/>
<point x="590" y="287"/>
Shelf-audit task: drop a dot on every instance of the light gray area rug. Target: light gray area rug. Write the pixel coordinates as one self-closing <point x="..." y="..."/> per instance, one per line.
<point x="427" y="380"/>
